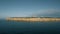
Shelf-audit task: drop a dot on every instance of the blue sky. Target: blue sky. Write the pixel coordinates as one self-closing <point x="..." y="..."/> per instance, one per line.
<point x="23" y="8"/>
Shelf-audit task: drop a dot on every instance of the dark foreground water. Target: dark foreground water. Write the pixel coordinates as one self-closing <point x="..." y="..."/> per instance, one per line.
<point x="12" y="27"/>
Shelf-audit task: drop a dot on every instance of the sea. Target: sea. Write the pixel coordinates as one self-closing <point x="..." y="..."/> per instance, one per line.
<point x="14" y="27"/>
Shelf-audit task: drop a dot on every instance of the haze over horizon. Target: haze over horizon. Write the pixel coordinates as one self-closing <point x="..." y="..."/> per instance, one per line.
<point x="26" y="8"/>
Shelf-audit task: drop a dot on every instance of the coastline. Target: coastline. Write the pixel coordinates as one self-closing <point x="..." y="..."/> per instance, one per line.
<point x="33" y="19"/>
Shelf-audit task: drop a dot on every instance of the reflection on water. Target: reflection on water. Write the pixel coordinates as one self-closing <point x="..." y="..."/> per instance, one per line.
<point x="29" y="27"/>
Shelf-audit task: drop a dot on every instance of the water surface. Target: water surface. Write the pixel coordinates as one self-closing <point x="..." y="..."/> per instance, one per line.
<point x="13" y="27"/>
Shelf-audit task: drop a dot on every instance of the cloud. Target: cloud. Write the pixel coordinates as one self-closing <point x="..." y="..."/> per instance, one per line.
<point x="48" y="12"/>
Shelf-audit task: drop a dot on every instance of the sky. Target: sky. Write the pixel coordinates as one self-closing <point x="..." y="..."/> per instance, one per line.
<point x="27" y="8"/>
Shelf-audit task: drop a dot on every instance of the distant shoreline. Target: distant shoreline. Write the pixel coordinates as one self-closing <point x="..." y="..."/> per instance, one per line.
<point x="32" y="19"/>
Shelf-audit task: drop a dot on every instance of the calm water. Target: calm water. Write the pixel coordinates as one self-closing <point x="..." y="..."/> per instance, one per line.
<point x="12" y="27"/>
